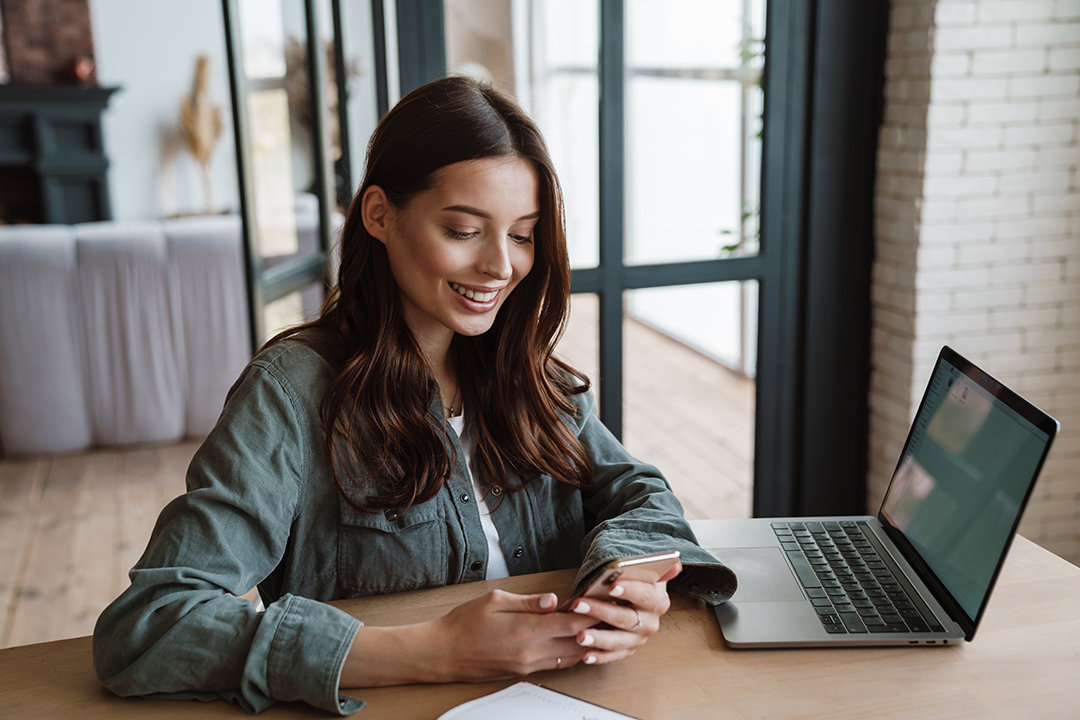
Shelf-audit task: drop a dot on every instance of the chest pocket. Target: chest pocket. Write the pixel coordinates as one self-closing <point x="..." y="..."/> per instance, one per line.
<point x="381" y="553"/>
<point x="556" y="508"/>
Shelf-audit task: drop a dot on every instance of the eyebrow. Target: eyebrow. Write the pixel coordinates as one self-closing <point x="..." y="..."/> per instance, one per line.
<point x="469" y="210"/>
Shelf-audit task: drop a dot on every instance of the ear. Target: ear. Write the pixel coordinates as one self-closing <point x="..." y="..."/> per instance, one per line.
<point x="375" y="212"/>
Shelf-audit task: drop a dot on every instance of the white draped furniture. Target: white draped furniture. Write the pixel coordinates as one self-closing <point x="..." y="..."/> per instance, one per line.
<point x="118" y="332"/>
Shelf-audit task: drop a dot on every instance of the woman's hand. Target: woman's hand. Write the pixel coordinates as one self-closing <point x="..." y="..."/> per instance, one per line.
<point x="498" y="635"/>
<point x="627" y="621"/>
<point x="503" y="635"/>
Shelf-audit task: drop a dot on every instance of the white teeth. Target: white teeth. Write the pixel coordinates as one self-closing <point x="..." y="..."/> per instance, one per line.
<point x="481" y="297"/>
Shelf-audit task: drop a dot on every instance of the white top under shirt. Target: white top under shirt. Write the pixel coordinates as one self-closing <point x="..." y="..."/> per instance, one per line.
<point x="496" y="565"/>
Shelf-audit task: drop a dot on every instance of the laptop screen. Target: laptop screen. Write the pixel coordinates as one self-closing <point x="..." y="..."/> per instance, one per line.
<point x="964" y="478"/>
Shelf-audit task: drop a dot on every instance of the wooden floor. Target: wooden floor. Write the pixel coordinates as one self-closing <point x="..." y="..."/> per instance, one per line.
<point x="71" y="527"/>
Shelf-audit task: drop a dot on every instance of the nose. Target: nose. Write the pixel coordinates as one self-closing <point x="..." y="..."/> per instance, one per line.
<point x="494" y="259"/>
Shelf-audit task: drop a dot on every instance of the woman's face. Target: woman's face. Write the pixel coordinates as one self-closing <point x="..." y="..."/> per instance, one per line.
<point x="459" y="249"/>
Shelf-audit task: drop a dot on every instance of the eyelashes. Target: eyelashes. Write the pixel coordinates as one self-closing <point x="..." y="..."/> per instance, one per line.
<point x="456" y="235"/>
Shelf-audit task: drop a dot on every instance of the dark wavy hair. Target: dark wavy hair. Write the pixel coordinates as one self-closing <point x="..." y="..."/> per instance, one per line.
<point x="378" y="413"/>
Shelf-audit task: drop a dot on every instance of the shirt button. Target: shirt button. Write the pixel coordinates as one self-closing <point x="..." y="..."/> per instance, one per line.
<point x="464" y="497"/>
<point x="475" y="567"/>
<point x="519" y="551"/>
<point x="496" y="490"/>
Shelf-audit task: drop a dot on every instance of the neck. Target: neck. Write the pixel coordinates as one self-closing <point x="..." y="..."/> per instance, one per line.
<point x="449" y="385"/>
<point x="442" y="368"/>
<point x="434" y="340"/>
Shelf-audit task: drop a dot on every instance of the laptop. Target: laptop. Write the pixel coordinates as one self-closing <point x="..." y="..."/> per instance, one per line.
<point x="921" y="572"/>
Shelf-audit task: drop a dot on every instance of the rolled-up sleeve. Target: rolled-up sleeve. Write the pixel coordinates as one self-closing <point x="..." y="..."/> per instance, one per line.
<point x="179" y="631"/>
<point x="638" y="514"/>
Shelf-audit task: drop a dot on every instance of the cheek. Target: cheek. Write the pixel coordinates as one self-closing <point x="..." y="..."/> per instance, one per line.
<point x="523" y="261"/>
<point x="438" y="265"/>
<point x="431" y="258"/>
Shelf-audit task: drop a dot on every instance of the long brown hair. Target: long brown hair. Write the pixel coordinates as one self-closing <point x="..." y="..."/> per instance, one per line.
<point x="378" y="412"/>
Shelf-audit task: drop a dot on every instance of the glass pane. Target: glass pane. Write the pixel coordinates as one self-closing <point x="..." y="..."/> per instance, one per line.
<point x="568" y="33"/>
<point x="570" y="123"/>
<point x="564" y="97"/>
<point x="271" y="163"/>
<point x="286" y="213"/>
<point x="684" y="33"/>
<point x="544" y="53"/>
<point x="262" y="33"/>
<point x="358" y="46"/>
<point x="698" y="214"/>
<point x="580" y="344"/>
<point x="716" y="319"/>
<point x="292" y="309"/>
<point x="480" y="42"/>
<point x="692" y="175"/>
<point x="689" y="398"/>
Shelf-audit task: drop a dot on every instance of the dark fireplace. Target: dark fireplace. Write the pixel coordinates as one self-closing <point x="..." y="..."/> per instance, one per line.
<point x="52" y="160"/>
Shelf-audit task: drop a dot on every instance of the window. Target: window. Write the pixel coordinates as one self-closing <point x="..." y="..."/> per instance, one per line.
<point x="664" y="194"/>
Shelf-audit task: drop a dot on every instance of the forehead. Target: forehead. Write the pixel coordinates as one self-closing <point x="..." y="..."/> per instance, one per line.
<point x="498" y="185"/>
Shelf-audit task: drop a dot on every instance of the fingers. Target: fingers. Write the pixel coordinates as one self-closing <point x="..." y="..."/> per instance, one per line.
<point x="511" y="602"/>
<point x="627" y="622"/>
<point x="566" y="653"/>
<point x="648" y="596"/>
<point x="672" y="573"/>
<point x="503" y="634"/>
<point x="550" y="623"/>
<point x="604" y="646"/>
<point x="626" y="618"/>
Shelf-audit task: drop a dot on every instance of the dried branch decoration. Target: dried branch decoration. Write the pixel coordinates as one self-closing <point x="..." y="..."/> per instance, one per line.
<point x="297" y="84"/>
<point x="200" y="124"/>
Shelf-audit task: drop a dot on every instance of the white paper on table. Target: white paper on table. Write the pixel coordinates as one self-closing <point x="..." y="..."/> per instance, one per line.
<point x="525" y="701"/>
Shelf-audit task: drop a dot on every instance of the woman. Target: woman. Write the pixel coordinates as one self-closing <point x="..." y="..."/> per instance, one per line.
<point x="419" y="433"/>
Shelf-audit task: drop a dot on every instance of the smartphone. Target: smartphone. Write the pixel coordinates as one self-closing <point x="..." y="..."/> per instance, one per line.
<point x="648" y="568"/>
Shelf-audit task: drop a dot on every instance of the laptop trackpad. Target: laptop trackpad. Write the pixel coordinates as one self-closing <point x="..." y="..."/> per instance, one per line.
<point x="764" y="575"/>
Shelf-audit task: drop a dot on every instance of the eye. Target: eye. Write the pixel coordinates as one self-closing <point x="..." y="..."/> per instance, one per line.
<point x="456" y="235"/>
<point x="521" y="239"/>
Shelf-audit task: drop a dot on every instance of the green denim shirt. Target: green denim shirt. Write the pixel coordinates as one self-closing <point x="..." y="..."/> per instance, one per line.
<point x="262" y="509"/>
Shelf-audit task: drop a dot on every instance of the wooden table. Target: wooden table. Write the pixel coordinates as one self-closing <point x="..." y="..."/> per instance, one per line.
<point x="1024" y="662"/>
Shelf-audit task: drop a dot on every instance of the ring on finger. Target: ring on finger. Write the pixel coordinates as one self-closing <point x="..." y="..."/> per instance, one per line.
<point x="638" y="623"/>
<point x="558" y="663"/>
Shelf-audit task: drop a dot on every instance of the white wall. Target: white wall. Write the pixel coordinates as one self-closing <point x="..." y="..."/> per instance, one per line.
<point x="148" y="49"/>
<point x="978" y="225"/>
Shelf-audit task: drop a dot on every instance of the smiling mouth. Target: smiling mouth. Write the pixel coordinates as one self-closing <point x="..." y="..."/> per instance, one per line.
<point x="480" y="297"/>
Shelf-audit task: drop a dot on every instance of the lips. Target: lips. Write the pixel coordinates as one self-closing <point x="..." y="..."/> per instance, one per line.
<point x="479" y="296"/>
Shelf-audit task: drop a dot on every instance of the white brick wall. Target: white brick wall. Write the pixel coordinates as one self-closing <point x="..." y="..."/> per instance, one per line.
<point x="978" y="225"/>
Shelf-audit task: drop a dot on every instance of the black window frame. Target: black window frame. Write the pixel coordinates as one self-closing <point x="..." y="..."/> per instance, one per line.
<point x="265" y="285"/>
<point x="822" y="83"/>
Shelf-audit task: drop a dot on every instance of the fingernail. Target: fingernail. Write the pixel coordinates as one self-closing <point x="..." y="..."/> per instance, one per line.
<point x="582" y="607"/>
<point x="547" y="601"/>
<point x="590" y="659"/>
<point x="616" y="591"/>
<point x="587" y="640"/>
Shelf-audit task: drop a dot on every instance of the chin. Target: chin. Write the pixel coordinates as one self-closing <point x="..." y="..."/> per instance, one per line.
<point x="474" y="325"/>
<point x="473" y="330"/>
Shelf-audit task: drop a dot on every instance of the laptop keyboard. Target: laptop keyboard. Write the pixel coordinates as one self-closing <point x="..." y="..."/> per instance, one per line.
<point x="852" y="583"/>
